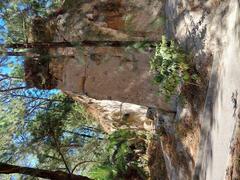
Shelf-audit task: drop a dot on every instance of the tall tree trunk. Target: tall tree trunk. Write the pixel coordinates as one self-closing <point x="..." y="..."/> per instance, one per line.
<point x="72" y="44"/>
<point x="86" y="43"/>
<point x="27" y="54"/>
<point x="54" y="175"/>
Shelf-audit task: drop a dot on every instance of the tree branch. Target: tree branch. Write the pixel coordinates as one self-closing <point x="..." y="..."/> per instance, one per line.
<point x="82" y="162"/>
<point x="12" y="89"/>
<point x="36" y="98"/>
<point x="53" y="175"/>
<point x="83" y="134"/>
<point x="61" y="154"/>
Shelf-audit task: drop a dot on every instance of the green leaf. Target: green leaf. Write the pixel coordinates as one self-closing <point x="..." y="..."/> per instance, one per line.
<point x="169" y="67"/>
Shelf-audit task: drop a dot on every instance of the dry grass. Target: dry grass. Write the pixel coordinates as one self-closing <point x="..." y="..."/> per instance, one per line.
<point x="233" y="172"/>
<point x="156" y="165"/>
<point x="187" y="129"/>
<point x="188" y="132"/>
<point x="178" y="155"/>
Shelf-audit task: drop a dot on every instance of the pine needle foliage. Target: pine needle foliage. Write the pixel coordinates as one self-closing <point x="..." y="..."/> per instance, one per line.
<point x="124" y="151"/>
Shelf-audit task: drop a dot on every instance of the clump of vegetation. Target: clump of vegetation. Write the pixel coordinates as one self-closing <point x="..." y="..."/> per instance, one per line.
<point x="171" y="68"/>
<point x="125" y="157"/>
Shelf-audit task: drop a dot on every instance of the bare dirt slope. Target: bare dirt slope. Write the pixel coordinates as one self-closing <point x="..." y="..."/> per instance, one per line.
<point x="220" y="114"/>
<point x="211" y="28"/>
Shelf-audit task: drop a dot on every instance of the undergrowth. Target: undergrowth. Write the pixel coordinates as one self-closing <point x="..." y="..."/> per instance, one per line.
<point x="171" y="67"/>
<point x="125" y="157"/>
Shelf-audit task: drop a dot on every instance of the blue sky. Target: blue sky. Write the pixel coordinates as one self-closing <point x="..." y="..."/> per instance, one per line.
<point x="12" y="59"/>
<point x="1" y="25"/>
<point x="29" y="160"/>
<point x="6" y="69"/>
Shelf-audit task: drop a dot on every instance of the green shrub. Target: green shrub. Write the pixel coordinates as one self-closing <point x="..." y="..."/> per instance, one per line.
<point x="122" y="161"/>
<point x="103" y="173"/>
<point x="170" y="67"/>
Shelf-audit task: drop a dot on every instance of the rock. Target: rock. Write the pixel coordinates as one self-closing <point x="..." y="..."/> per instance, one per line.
<point x="110" y="73"/>
<point x="113" y="115"/>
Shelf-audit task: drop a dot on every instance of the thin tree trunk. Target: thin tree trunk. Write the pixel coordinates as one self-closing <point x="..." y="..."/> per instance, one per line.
<point x="9" y="53"/>
<point x="86" y="43"/>
<point x="37" y="45"/>
<point x="84" y="134"/>
<point x="61" y="154"/>
<point x="12" y="53"/>
<point x="12" y="89"/>
<point x="53" y="175"/>
<point x="72" y="44"/>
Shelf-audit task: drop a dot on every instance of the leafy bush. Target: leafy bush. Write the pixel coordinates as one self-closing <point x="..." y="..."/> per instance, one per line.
<point x="123" y="161"/>
<point x="170" y="67"/>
